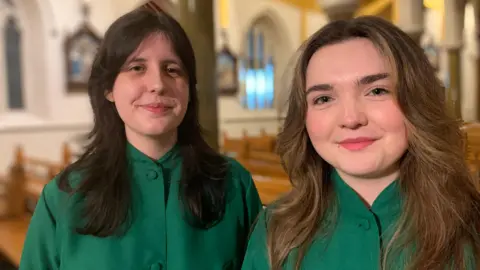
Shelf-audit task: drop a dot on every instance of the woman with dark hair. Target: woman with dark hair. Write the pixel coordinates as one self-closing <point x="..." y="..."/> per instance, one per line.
<point x="375" y="160"/>
<point x="148" y="193"/>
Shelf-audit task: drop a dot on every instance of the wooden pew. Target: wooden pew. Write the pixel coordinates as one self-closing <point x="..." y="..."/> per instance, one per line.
<point x="235" y="148"/>
<point x="271" y="188"/>
<point x="262" y="143"/>
<point x="23" y="184"/>
<point x="12" y="237"/>
<point x="240" y="147"/>
<point x="264" y="168"/>
<point x="471" y="132"/>
<point x="264" y="156"/>
<point x="257" y="148"/>
<point x="257" y="155"/>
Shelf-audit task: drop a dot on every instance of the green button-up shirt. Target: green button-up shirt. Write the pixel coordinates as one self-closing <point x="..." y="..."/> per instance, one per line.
<point x="159" y="238"/>
<point x="356" y="243"/>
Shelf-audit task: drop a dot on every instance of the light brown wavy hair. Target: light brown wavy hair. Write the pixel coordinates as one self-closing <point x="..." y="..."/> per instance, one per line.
<point x="441" y="211"/>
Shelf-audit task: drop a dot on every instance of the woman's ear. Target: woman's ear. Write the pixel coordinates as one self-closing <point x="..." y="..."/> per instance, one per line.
<point x="109" y="96"/>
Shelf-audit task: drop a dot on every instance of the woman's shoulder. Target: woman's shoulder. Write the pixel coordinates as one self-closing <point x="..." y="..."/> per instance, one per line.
<point x="240" y="182"/>
<point x="61" y="187"/>
<point x="235" y="166"/>
<point x="256" y="256"/>
<point x="238" y="173"/>
<point x="54" y="201"/>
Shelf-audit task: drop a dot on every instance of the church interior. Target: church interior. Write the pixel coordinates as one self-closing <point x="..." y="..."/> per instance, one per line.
<point x="244" y="49"/>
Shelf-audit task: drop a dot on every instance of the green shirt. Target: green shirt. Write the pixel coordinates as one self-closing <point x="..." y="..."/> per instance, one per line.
<point x="356" y="242"/>
<point x="159" y="238"/>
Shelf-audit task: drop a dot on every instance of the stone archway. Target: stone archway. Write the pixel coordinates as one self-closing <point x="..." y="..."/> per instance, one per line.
<point x="274" y="25"/>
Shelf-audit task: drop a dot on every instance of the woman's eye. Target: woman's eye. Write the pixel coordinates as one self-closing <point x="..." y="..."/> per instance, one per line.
<point x="173" y="71"/>
<point x="322" y="99"/>
<point x="378" y="92"/>
<point x="137" y="68"/>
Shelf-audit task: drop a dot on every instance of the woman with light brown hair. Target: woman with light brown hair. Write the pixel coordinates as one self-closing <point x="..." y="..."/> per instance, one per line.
<point x="375" y="160"/>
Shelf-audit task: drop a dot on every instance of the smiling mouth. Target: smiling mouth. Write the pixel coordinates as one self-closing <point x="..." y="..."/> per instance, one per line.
<point x="157" y="108"/>
<point x="357" y="143"/>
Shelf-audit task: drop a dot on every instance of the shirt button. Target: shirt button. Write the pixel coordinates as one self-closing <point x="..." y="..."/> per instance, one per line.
<point x="152" y="175"/>
<point x="156" y="266"/>
<point x="364" y="224"/>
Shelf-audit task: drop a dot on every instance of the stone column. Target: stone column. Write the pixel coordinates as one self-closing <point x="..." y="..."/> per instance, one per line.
<point x="477" y="29"/>
<point x="339" y="9"/>
<point x="197" y="19"/>
<point x="410" y="17"/>
<point x="455" y="12"/>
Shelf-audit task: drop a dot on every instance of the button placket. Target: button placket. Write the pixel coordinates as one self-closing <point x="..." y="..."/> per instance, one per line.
<point x="156" y="266"/>
<point x="364" y="224"/>
<point x="152" y="175"/>
<point x="154" y="172"/>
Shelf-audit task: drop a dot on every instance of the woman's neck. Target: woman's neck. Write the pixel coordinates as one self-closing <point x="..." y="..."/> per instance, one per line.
<point x="369" y="188"/>
<point x="153" y="146"/>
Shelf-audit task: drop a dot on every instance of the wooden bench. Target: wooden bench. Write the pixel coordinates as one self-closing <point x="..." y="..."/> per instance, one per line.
<point x="261" y="143"/>
<point x="240" y="147"/>
<point x="264" y="168"/>
<point x="264" y="156"/>
<point x="271" y="188"/>
<point x="256" y="154"/>
<point x="12" y="237"/>
<point x="22" y="188"/>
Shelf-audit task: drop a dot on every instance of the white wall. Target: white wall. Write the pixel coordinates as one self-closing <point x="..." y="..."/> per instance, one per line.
<point x="52" y="115"/>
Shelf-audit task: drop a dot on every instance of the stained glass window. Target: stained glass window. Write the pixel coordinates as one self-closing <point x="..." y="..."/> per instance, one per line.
<point x="256" y="72"/>
<point x="13" y="64"/>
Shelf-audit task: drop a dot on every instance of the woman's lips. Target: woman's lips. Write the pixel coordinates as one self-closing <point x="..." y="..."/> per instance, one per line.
<point x="356" y="144"/>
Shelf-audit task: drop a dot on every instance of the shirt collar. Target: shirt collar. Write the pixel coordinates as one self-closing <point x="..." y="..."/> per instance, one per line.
<point x="168" y="160"/>
<point x="387" y="205"/>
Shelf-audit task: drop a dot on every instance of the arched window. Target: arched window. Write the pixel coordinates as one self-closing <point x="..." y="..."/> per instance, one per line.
<point x="256" y="70"/>
<point x="12" y="44"/>
<point x="12" y="39"/>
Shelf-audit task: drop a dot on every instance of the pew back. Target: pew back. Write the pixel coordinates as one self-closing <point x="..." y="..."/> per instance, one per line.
<point x="19" y="193"/>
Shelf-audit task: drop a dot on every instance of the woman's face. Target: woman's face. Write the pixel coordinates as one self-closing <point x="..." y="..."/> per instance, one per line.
<point x="353" y="119"/>
<point x="151" y="91"/>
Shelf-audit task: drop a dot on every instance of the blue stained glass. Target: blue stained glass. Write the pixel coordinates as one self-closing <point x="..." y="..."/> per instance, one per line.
<point x="251" y="89"/>
<point x="269" y="84"/>
<point x="256" y="74"/>
<point x="260" y="88"/>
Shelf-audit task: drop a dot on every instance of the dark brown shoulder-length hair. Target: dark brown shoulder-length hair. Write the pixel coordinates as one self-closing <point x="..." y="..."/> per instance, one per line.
<point x="105" y="184"/>
<point x="441" y="211"/>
